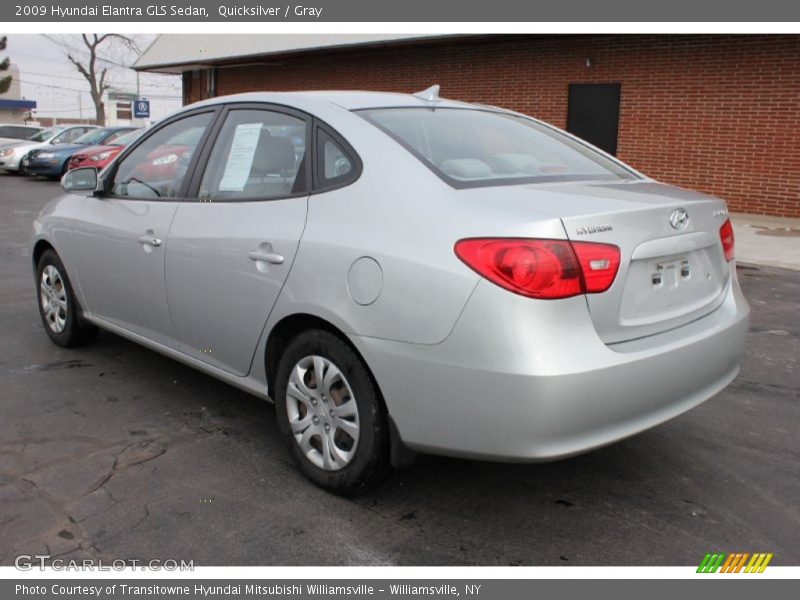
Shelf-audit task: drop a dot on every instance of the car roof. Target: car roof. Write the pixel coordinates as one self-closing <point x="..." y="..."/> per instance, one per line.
<point x="349" y="100"/>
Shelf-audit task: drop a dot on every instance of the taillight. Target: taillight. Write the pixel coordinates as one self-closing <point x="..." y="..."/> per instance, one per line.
<point x="726" y="237"/>
<point x="545" y="269"/>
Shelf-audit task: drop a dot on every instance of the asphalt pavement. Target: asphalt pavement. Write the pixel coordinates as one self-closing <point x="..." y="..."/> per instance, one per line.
<point x="112" y="451"/>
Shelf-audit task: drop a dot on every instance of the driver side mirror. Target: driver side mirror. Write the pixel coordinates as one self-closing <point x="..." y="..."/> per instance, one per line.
<point x="80" y="180"/>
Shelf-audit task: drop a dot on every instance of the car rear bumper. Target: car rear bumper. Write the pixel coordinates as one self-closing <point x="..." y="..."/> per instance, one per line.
<point x="526" y="380"/>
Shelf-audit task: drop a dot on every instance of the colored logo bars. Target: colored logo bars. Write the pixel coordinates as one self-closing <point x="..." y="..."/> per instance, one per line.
<point x="735" y="562"/>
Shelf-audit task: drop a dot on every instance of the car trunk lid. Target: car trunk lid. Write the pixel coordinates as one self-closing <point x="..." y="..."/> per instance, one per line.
<point x="672" y="267"/>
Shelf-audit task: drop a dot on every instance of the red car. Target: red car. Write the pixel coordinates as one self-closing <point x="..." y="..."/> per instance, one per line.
<point x="99" y="156"/>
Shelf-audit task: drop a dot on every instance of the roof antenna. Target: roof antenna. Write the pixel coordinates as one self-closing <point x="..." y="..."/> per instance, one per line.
<point x="429" y="95"/>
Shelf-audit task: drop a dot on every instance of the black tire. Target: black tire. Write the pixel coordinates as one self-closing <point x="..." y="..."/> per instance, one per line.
<point x="64" y="170"/>
<point x="75" y="331"/>
<point x="370" y="461"/>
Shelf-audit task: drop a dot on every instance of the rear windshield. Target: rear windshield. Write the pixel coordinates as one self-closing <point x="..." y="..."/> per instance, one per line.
<point x="473" y="148"/>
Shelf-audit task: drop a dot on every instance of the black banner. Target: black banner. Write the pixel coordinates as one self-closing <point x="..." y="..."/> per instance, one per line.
<point x="406" y="11"/>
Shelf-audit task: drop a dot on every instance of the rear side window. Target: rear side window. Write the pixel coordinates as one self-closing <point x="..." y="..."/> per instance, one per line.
<point x="259" y="155"/>
<point x="17" y="132"/>
<point x="336" y="166"/>
<point x="472" y="147"/>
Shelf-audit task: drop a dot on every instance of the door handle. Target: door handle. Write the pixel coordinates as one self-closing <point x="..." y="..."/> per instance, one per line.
<point x="270" y="257"/>
<point x="150" y="240"/>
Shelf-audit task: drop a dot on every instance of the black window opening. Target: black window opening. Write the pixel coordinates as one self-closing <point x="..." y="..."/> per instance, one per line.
<point x="593" y="113"/>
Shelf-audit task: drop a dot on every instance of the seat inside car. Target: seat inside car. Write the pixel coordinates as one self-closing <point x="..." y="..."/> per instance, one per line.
<point x="273" y="170"/>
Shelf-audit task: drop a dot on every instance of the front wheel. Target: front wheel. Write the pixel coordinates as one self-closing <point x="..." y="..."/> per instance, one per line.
<point x="331" y="414"/>
<point x="57" y="305"/>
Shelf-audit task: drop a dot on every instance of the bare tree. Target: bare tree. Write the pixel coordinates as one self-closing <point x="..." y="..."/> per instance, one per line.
<point x="5" y="82"/>
<point x="94" y="68"/>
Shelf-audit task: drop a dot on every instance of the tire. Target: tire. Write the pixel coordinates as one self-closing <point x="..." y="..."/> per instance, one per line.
<point x="64" y="170"/>
<point x="58" y="309"/>
<point x="321" y="416"/>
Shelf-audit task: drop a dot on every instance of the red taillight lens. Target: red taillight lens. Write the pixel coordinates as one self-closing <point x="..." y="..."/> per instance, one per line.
<point x="599" y="264"/>
<point x="546" y="269"/>
<point x="726" y="237"/>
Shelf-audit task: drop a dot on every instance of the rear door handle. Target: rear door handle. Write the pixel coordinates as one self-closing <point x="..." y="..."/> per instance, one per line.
<point x="150" y="240"/>
<point x="270" y="257"/>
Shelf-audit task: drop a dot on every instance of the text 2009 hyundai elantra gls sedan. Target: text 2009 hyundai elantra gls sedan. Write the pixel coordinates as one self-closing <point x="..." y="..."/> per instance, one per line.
<point x="401" y="272"/>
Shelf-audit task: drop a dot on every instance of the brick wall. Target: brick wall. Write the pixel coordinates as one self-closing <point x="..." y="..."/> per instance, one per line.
<point x="720" y="114"/>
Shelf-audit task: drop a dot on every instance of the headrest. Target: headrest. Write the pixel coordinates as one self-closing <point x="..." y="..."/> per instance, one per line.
<point x="465" y="168"/>
<point x="273" y="154"/>
<point x="515" y="163"/>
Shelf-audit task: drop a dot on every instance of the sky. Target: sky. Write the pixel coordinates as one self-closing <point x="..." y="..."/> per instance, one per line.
<point x="59" y="90"/>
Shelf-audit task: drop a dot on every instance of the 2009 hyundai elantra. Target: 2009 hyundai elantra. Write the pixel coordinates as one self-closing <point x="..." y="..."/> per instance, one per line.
<point x="401" y="272"/>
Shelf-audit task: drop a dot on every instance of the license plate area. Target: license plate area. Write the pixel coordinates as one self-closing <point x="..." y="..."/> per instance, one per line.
<point x="665" y="288"/>
<point x="671" y="273"/>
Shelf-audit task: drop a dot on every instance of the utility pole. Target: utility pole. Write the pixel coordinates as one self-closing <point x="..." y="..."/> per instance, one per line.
<point x="80" y="107"/>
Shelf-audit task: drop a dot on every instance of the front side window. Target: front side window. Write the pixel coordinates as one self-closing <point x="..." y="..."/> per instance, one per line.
<point x="258" y="154"/>
<point x="156" y="168"/>
<point x="472" y="148"/>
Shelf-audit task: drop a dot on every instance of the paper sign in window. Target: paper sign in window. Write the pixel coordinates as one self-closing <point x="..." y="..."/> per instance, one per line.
<point x="240" y="157"/>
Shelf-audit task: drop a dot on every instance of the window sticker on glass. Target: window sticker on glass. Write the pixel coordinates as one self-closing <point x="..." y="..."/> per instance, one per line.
<point x="240" y="157"/>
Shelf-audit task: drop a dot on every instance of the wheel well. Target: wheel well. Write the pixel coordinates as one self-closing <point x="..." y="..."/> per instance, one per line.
<point x="286" y="329"/>
<point x="40" y="248"/>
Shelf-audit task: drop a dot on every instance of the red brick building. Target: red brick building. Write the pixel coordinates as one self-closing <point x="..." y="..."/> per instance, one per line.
<point x="716" y="113"/>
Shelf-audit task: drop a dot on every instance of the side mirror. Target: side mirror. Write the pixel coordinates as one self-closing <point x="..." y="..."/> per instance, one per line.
<point x="80" y="180"/>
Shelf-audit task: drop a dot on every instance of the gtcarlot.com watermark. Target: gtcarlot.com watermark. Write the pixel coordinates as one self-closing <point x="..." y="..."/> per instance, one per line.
<point x="28" y="562"/>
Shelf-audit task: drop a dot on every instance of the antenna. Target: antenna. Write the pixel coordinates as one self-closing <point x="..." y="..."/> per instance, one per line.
<point x="429" y="95"/>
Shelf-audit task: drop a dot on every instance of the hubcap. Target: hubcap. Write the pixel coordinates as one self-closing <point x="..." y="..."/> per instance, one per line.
<point x="322" y="413"/>
<point x="53" y="297"/>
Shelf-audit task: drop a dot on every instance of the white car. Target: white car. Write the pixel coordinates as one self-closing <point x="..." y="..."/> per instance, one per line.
<point x="11" y="133"/>
<point x="12" y="155"/>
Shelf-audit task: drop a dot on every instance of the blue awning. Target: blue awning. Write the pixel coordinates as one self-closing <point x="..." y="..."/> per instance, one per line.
<point x="17" y="104"/>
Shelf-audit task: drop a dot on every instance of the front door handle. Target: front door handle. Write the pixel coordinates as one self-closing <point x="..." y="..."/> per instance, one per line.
<point x="270" y="257"/>
<point x="150" y="240"/>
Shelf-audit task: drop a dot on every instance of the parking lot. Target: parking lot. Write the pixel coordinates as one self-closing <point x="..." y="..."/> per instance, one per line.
<point x="112" y="451"/>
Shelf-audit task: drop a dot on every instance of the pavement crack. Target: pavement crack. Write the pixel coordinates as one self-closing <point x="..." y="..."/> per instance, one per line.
<point x="142" y="520"/>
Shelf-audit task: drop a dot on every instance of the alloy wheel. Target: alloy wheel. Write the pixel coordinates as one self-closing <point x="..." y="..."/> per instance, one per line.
<point x="53" y="298"/>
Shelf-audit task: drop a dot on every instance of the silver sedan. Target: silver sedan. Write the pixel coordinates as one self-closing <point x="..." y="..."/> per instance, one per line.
<point x="401" y="274"/>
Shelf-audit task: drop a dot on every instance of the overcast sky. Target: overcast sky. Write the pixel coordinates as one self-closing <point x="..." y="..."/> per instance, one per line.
<point x="59" y="90"/>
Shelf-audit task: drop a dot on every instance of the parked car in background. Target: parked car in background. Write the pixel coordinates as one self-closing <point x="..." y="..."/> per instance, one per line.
<point x="12" y="155"/>
<point x="164" y="162"/>
<point x="12" y="132"/>
<point x="53" y="161"/>
<point x="99" y="156"/>
<point x="401" y="272"/>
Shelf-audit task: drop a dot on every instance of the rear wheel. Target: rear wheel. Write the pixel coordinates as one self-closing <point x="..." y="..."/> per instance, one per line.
<point x="57" y="305"/>
<point x="331" y="414"/>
